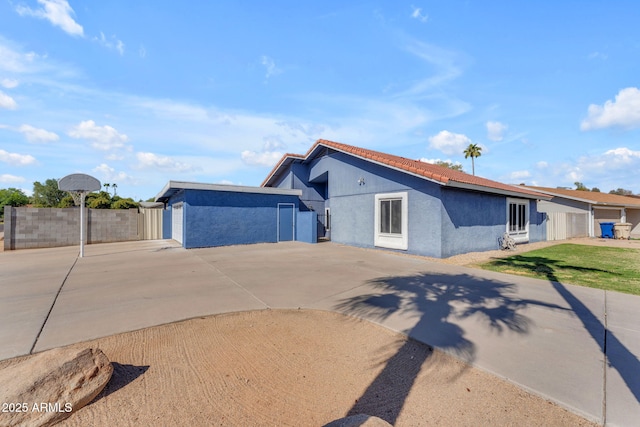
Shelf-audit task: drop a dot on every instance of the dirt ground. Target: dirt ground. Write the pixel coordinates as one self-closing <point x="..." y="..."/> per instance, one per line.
<point x="297" y="368"/>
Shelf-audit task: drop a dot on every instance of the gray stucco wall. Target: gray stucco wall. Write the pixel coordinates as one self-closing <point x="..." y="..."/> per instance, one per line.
<point x="27" y="228"/>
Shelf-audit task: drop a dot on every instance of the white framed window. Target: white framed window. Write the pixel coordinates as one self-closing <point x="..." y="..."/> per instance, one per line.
<point x="518" y="219"/>
<point x="391" y="220"/>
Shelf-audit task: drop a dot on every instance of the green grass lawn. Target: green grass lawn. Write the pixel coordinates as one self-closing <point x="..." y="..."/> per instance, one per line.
<point x="613" y="269"/>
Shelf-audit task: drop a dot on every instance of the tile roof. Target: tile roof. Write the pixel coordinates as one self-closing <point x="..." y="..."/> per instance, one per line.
<point x="440" y="174"/>
<point x="590" y="196"/>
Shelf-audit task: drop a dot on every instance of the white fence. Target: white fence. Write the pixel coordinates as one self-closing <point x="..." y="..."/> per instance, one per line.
<point x="566" y="225"/>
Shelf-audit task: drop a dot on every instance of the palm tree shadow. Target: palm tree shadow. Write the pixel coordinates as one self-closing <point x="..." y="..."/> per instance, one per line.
<point x="437" y="300"/>
<point x="619" y="357"/>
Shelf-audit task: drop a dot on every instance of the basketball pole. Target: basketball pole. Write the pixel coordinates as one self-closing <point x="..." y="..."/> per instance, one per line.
<point x="82" y="230"/>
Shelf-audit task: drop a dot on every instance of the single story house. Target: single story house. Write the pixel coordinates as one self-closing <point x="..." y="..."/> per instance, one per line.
<point x="576" y="213"/>
<point x="370" y="199"/>
<point x="204" y="215"/>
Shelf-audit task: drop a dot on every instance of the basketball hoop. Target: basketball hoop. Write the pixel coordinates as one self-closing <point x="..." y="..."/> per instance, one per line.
<point x="79" y="185"/>
<point x="77" y="196"/>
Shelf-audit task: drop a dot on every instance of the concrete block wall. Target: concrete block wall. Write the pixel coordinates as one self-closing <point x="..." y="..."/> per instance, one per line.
<point x="27" y="228"/>
<point x="112" y="225"/>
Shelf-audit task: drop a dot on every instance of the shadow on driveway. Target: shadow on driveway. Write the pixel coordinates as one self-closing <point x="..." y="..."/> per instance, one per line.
<point x="438" y="300"/>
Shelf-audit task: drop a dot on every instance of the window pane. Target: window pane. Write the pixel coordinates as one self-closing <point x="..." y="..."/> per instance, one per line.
<point x="512" y="217"/>
<point x="521" y="218"/>
<point x="385" y="214"/>
<point x="396" y="216"/>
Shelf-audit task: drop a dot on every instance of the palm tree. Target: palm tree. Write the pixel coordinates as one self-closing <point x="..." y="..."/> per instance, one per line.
<point x="106" y="186"/>
<point x="114" y="186"/>
<point x="473" y="151"/>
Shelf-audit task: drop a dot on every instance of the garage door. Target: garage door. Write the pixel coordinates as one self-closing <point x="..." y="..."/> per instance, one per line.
<point x="176" y="222"/>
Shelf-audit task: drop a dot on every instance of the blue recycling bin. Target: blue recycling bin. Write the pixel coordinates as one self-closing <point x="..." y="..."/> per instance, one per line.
<point x="607" y="229"/>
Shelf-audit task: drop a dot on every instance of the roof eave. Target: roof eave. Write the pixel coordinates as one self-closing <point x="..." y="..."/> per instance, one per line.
<point x="167" y="192"/>
<point x="589" y="201"/>
<point x="503" y="192"/>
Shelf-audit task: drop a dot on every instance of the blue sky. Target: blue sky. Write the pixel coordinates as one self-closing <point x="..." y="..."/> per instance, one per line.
<point x="140" y="93"/>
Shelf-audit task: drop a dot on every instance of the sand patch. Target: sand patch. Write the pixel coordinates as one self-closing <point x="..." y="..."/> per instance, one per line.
<point x="297" y="368"/>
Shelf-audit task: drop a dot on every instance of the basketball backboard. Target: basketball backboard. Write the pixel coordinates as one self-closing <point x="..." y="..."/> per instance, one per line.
<point x="79" y="182"/>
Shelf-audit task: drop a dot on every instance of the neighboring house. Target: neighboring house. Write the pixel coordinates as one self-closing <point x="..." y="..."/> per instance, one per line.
<point x="576" y="213"/>
<point x="371" y="199"/>
<point x="204" y="215"/>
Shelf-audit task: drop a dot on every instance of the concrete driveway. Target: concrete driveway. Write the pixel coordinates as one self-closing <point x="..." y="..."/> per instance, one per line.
<point x="574" y="345"/>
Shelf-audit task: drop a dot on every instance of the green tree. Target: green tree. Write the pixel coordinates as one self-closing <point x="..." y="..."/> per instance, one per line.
<point x="12" y="197"/>
<point x="449" y="165"/>
<point x="473" y="151"/>
<point x="67" y="202"/>
<point x="47" y="195"/>
<point x="114" y="186"/>
<point x="595" y="190"/>
<point x="127" y="203"/>
<point x="621" y="192"/>
<point x="580" y="186"/>
<point x="101" y="200"/>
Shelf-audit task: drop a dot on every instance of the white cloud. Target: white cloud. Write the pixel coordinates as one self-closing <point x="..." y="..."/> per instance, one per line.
<point x="614" y="168"/>
<point x="597" y="55"/>
<point x="622" y="155"/>
<point x="518" y="175"/>
<point x="270" y="66"/>
<point x="434" y="161"/>
<point x="270" y="155"/>
<point x="57" y="12"/>
<point x="273" y="143"/>
<point x="449" y="142"/>
<point x="111" y="43"/>
<point x="15" y="159"/>
<point x="624" y="112"/>
<point x="101" y="137"/>
<point x="11" y="179"/>
<point x="109" y="174"/>
<point x="9" y="83"/>
<point x="154" y="161"/>
<point x="417" y="14"/>
<point x="15" y="61"/>
<point x="444" y="62"/>
<point x="37" y="135"/>
<point x="495" y="131"/>
<point x="7" y="102"/>
<point x="542" y="164"/>
<point x="264" y="158"/>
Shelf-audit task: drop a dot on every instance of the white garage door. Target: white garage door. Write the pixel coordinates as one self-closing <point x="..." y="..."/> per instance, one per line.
<point x="176" y="222"/>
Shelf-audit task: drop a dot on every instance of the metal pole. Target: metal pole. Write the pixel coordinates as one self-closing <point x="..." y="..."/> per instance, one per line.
<point x="82" y="224"/>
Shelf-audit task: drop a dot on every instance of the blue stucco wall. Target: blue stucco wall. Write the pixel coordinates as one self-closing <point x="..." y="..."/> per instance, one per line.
<point x="220" y="218"/>
<point x="471" y="221"/>
<point x="537" y="223"/>
<point x="442" y="221"/>
<point x="353" y="204"/>
<point x="306" y="226"/>
<point x="166" y="223"/>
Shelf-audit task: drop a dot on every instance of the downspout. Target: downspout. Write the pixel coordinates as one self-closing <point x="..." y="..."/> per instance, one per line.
<point x="592" y="218"/>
